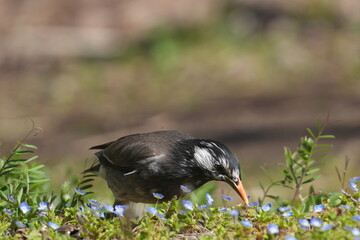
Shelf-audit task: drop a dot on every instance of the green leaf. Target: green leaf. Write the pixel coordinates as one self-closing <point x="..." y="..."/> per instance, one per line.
<point x="311" y="133"/>
<point x="311" y="179"/>
<point x="28" y="145"/>
<point x="5" y="172"/>
<point x="312" y="171"/>
<point x="86" y="180"/>
<point x="327" y="136"/>
<point x="86" y="187"/>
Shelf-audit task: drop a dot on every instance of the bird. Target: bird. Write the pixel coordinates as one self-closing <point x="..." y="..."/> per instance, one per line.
<point x="138" y="165"/>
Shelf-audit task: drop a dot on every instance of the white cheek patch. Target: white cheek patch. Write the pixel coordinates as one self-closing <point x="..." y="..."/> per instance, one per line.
<point x="204" y="158"/>
<point x="235" y="174"/>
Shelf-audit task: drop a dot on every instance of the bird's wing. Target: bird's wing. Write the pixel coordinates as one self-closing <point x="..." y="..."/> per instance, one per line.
<point x="129" y="151"/>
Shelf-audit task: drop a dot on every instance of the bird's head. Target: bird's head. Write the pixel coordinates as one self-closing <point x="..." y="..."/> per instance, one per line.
<point x="218" y="163"/>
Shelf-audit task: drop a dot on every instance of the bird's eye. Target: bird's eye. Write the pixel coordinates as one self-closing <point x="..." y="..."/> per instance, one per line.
<point x="220" y="169"/>
<point x="236" y="180"/>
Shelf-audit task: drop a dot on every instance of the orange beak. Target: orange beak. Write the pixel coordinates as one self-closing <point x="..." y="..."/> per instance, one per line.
<point x="239" y="188"/>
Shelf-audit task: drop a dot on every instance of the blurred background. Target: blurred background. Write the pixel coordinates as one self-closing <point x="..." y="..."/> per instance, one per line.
<point x="252" y="74"/>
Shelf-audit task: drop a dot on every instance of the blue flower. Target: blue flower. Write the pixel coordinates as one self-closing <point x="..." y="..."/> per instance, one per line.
<point x="119" y="210"/>
<point x="8" y="211"/>
<point x="316" y="222"/>
<point x="355" y="179"/>
<point x="20" y="224"/>
<point x="304" y="223"/>
<point x="209" y="199"/>
<point x="53" y="225"/>
<point x="108" y="208"/>
<point x="288" y="214"/>
<point x="185" y="188"/>
<point x="161" y="216"/>
<point x="326" y="227"/>
<point x="11" y="199"/>
<point x="353" y="186"/>
<point x="95" y="208"/>
<point x="284" y="209"/>
<point x="346" y="207"/>
<point x="43" y="206"/>
<point x="222" y="209"/>
<point x="98" y="214"/>
<point x="81" y="209"/>
<point x="80" y="192"/>
<point x="356" y="218"/>
<point x="93" y="202"/>
<point x="289" y="237"/>
<point x="254" y="204"/>
<point x="319" y="208"/>
<point x="234" y="213"/>
<point x="41" y="214"/>
<point x="188" y="205"/>
<point x="266" y="207"/>
<point x="151" y="210"/>
<point x="24" y="207"/>
<point x="227" y="198"/>
<point x="273" y="228"/>
<point x="158" y="195"/>
<point x="246" y="223"/>
<point x="355" y="232"/>
<point x="202" y="207"/>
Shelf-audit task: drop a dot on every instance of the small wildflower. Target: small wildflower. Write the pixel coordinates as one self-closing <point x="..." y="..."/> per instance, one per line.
<point x="355" y="232"/>
<point x="119" y="210"/>
<point x="20" y="224"/>
<point x="326" y="227"/>
<point x="319" y="208"/>
<point x="222" y="209"/>
<point x="95" y="208"/>
<point x="304" y="222"/>
<point x="246" y="223"/>
<point x="24" y="207"/>
<point x="316" y="222"/>
<point x="108" y="208"/>
<point x="158" y="195"/>
<point x="355" y="179"/>
<point x="202" y="207"/>
<point x="161" y="216"/>
<point x="273" y="228"/>
<point x="8" y="211"/>
<point x="81" y="209"/>
<point x="289" y="237"/>
<point x="41" y="214"/>
<point x="43" y="206"/>
<point x="266" y="207"/>
<point x="288" y="214"/>
<point x="98" y="214"/>
<point x="53" y="225"/>
<point x="185" y="189"/>
<point x="254" y="204"/>
<point x="284" y="209"/>
<point x="347" y="207"/>
<point x="227" y="198"/>
<point x="188" y="205"/>
<point x="353" y="186"/>
<point x="356" y="218"/>
<point x="234" y="213"/>
<point x="93" y="202"/>
<point x="80" y="192"/>
<point x="151" y="210"/>
<point x="11" y="199"/>
<point x="209" y="199"/>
